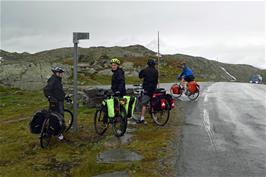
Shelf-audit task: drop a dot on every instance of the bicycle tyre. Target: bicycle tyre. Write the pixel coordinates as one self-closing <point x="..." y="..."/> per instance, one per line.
<point x="45" y="136"/>
<point x="120" y="129"/>
<point x="99" y="125"/>
<point x="163" y="113"/>
<point x="68" y="117"/>
<point x="194" y="96"/>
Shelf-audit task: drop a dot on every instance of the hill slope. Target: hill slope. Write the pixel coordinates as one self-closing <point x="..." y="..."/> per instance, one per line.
<point x="94" y="66"/>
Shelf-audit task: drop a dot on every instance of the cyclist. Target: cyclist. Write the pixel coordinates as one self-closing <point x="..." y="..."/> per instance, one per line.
<point x="118" y="78"/>
<point x="187" y="74"/>
<point x="55" y="93"/>
<point x="150" y="81"/>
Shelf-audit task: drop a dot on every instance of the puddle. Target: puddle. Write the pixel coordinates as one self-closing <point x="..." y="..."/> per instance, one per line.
<point x="114" y="174"/>
<point x="118" y="155"/>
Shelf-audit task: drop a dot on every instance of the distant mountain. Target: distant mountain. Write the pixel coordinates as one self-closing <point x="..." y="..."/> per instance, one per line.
<point x="94" y="64"/>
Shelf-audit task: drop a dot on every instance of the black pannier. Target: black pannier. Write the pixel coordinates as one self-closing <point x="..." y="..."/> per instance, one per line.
<point x="56" y="123"/>
<point x="37" y="121"/>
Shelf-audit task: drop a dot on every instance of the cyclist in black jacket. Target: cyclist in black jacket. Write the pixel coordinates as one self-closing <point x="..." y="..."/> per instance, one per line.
<point x="150" y="76"/>
<point x="55" y="93"/>
<point x="118" y="78"/>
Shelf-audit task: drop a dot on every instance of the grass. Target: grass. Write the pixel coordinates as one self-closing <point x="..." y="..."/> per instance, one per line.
<point x="20" y="152"/>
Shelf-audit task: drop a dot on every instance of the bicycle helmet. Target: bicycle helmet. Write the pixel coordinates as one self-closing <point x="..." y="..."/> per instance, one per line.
<point x="115" y="61"/>
<point x="151" y="62"/>
<point x="57" y="69"/>
<point x="181" y="64"/>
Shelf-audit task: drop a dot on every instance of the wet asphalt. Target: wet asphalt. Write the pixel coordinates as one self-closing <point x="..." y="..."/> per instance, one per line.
<point x="224" y="133"/>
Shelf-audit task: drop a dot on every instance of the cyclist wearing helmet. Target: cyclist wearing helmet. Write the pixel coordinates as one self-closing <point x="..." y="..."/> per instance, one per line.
<point x="55" y="93"/>
<point x="150" y="81"/>
<point x="186" y="73"/>
<point x="118" y="78"/>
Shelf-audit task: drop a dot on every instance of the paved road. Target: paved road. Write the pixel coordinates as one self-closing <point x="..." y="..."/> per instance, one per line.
<point x="224" y="133"/>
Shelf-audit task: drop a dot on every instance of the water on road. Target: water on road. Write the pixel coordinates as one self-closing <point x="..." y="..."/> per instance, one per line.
<point x="224" y="132"/>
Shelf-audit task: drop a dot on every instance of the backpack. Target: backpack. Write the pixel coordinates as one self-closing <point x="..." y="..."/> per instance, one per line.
<point x="45" y="91"/>
<point x="37" y="120"/>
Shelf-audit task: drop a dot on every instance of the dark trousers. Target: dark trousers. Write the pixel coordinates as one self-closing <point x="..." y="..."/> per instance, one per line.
<point x="57" y="107"/>
<point x="189" y="78"/>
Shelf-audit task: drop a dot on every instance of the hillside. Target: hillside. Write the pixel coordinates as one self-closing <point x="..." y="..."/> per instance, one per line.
<point x="24" y="69"/>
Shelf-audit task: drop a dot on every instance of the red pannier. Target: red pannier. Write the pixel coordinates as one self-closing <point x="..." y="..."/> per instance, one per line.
<point x="162" y="101"/>
<point x="175" y="89"/>
<point x="192" y="86"/>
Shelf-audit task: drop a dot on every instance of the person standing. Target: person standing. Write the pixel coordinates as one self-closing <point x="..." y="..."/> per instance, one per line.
<point x="55" y="93"/>
<point x="150" y="81"/>
<point x="118" y="78"/>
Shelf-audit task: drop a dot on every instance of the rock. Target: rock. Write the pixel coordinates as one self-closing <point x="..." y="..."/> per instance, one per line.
<point x="114" y="174"/>
<point x="128" y="66"/>
<point x="28" y="75"/>
<point x="107" y="72"/>
<point x="116" y="142"/>
<point x="90" y="71"/>
<point x="118" y="155"/>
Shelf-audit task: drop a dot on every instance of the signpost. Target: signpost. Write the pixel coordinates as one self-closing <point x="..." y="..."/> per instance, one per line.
<point x="76" y="37"/>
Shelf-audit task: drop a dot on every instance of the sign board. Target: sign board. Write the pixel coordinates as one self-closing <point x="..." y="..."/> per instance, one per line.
<point x="79" y="36"/>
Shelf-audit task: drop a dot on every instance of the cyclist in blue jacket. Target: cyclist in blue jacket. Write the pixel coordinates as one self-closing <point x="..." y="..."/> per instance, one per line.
<point x="186" y="73"/>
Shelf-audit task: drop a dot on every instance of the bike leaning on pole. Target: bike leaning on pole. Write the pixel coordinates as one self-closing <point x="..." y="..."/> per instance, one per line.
<point x="48" y="123"/>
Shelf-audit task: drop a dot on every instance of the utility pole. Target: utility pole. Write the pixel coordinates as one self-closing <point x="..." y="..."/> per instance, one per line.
<point x="158" y="55"/>
<point x="76" y="38"/>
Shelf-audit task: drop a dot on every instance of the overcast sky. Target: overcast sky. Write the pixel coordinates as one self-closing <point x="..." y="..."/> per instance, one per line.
<point x="231" y="32"/>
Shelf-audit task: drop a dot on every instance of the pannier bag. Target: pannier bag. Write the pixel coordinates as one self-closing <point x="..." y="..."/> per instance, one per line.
<point x="170" y="101"/>
<point x="156" y="101"/>
<point x="37" y="120"/>
<point x="175" y="89"/>
<point x="192" y="87"/>
<point x="110" y="107"/>
<point x="130" y="106"/>
<point x="56" y="123"/>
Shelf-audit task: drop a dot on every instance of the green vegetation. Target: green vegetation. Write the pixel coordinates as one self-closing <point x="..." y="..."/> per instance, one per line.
<point x="21" y="154"/>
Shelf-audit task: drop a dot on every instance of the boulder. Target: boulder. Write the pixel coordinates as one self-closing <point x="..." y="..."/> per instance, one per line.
<point x="28" y="75"/>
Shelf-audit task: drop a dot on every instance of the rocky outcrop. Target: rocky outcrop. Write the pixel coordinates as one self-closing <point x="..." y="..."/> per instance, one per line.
<point x="28" y="75"/>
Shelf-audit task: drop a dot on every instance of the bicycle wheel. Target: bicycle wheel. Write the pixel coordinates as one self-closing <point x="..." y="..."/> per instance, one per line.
<point x="194" y="96"/>
<point x="161" y="117"/>
<point x="45" y="134"/>
<point x="68" y="117"/>
<point x="119" y="123"/>
<point x="99" y="125"/>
